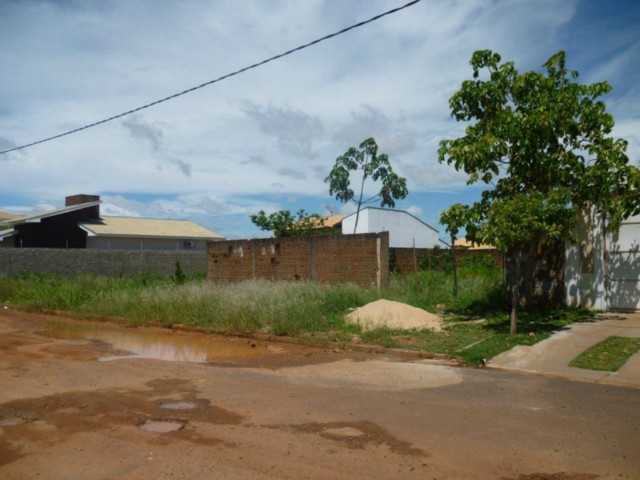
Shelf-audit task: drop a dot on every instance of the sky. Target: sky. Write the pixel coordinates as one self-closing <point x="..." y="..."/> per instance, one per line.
<point x="266" y="139"/>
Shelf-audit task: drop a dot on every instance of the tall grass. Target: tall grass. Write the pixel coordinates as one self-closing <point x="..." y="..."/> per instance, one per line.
<point x="297" y="308"/>
<point x="284" y="308"/>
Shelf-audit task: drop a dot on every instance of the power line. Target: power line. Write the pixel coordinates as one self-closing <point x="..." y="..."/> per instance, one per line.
<point x="219" y="79"/>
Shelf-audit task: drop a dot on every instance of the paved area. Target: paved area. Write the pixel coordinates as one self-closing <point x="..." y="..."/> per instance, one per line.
<point x="552" y="356"/>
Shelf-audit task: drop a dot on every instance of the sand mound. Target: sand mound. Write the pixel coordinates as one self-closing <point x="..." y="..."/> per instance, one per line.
<point x="387" y="313"/>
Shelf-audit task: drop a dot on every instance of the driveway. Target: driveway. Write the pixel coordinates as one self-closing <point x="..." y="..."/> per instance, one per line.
<point x="552" y="356"/>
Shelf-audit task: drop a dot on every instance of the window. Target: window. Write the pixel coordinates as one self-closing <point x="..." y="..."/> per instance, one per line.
<point x="189" y="245"/>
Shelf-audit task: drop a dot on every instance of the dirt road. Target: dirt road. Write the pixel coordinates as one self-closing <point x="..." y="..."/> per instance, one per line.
<point x="287" y="412"/>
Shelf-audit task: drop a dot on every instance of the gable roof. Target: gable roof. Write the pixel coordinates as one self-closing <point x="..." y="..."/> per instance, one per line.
<point x="147" y="227"/>
<point x="36" y="217"/>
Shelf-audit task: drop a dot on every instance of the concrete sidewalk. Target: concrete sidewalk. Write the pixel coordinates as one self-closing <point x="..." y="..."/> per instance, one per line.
<point x="552" y="356"/>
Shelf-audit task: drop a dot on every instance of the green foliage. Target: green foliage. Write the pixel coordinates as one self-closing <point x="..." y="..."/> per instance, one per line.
<point x="438" y="259"/>
<point x="371" y="164"/>
<point x="478" y="264"/>
<point x="284" y="224"/>
<point x="178" y="276"/>
<point x="541" y="140"/>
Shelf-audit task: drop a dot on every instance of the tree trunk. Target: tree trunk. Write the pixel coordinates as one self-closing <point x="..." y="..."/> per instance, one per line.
<point x="515" y="292"/>
<point x="455" y="269"/>
<point x="364" y="177"/>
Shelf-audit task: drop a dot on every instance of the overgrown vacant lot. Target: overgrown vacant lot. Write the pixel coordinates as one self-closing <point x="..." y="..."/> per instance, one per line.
<point x="476" y="323"/>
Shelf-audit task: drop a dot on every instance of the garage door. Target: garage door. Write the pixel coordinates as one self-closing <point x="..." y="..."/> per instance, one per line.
<point x="623" y="256"/>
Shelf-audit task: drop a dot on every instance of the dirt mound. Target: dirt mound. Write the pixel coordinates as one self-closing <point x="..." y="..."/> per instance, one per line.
<point x="387" y="313"/>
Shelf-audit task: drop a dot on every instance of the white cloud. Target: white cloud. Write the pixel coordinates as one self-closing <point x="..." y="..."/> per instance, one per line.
<point x="272" y="130"/>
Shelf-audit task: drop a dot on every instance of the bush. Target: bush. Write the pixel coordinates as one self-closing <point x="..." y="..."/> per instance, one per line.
<point x="477" y="264"/>
<point x="438" y="259"/>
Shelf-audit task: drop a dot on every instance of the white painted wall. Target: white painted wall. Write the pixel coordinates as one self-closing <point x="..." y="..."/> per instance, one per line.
<point x="128" y="243"/>
<point x="403" y="227"/>
<point x="603" y="271"/>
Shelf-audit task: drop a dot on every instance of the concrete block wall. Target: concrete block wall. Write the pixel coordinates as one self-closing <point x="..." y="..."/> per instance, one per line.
<point x="69" y="262"/>
<point x="362" y="259"/>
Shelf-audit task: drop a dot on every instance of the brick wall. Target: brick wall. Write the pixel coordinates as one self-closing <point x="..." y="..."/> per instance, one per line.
<point x="361" y="259"/>
<point x="15" y="261"/>
<point x="404" y="257"/>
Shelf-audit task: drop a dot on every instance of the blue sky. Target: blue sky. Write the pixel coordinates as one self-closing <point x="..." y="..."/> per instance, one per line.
<point x="266" y="139"/>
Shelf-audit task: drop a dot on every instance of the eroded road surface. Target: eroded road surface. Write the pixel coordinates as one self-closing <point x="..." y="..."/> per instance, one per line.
<point x="86" y="401"/>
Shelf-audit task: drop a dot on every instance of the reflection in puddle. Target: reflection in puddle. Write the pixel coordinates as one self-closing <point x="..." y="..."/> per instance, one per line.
<point x="156" y="426"/>
<point x="184" y="405"/>
<point x="156" y="344"/>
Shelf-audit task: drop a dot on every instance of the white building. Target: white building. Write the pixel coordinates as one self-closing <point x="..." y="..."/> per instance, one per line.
<point x="602" y="270"/>
<point x="405" y="230"/>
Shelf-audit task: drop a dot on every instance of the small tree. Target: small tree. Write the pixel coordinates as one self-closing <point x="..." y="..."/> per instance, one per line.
<point x="453" y="219"/>
<point x="284" y="224"/>
<point x="542" y="142"/>
<point x="372" y="165"/>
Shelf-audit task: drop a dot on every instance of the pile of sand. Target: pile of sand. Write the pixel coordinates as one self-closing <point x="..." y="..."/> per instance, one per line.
<point x="387" y="313"/>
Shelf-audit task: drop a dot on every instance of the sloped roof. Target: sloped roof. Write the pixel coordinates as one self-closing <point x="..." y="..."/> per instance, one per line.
<point x="333" y="220"/>
<point x="327" y="222"/>
<point x="465" y="244"/>
<point x="147" y="227"/>
<point x="7" y="216"/>
<point x="36" y="217"/>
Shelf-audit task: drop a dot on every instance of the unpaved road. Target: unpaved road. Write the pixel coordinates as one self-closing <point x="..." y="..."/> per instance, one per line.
<point x="289" y="412"/>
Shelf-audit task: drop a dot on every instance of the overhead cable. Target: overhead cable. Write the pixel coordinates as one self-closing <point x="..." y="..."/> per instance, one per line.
<point x="219" y="79"/>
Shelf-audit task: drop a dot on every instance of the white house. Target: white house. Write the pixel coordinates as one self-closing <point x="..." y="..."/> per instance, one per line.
<point x="602" y="270"/>
<point x="405" y="230"/>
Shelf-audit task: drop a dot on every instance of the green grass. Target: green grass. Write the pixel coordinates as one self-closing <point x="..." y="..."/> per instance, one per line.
<point x="608" y="355"/>
<point x="299" y="309"/>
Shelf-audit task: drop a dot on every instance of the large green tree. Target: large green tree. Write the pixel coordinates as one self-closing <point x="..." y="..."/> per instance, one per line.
<point x="541" y="142"/>
<point x="371" y="164"/>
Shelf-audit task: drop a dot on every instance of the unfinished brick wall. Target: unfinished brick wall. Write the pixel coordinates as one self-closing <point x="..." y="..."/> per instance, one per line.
<point x="362" y="259"/>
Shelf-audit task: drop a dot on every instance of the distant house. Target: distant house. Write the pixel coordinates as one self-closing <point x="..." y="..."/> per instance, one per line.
<point x="464" y="244"/>
<point x="328" y="225"/>
<point x="405" y="230"/>
<point x="79" y="225"/>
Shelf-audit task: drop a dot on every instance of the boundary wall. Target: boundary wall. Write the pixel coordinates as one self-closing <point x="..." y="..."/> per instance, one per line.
<point x="111" y="263"/>
<point x="362" y="259"/>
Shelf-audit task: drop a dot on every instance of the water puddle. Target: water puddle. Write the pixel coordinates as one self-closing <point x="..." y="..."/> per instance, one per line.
<point x="161" y="426"/>
<point x="184" y="405"/>
<point x="154" y="344"/>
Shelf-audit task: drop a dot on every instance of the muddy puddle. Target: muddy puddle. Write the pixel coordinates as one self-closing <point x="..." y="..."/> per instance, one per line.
<point x="154" y="344"/>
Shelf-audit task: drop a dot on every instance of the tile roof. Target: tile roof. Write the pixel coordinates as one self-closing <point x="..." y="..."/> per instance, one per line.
<point x="7" y="216"/>
<point x="333" y="220"/>
<point x="147" y="227"/>
<point x="465" y="244"/>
